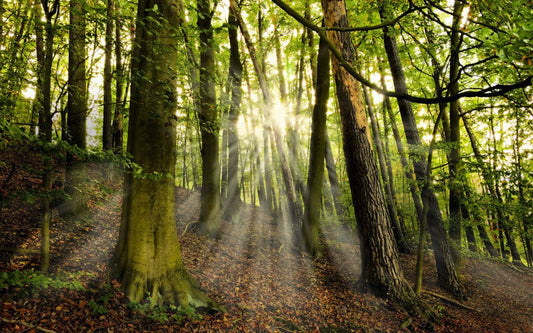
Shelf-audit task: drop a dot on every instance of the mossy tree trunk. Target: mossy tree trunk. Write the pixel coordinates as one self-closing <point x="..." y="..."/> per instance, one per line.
<point x="148" y="257"/>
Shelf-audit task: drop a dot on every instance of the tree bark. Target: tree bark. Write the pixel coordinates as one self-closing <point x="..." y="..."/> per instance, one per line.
<point x="391" y="208"/>
<point x="454" y="157"/>
<point x="235" y="78"/>
<point x="107" y="133"/>
<point x="118" y="132"/>
<point x="45" y="116"/>
<point x="210" y="210"/>
<point x="313" y="198"/>
<point x="381" y="268"/>
<point x="333" y="179"/>
<point x="76" y="171"/>
<point x="447" y="276"/>
<point x="148" y="257"/>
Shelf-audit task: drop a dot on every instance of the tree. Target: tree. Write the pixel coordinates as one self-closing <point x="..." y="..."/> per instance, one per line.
<point x="313" y="198"/>
<point x="107" y="130"/>
<point x="445" y="266"/>
<point x="234" y="77"/>
<point x="76" y="171"/>
<point x="148" y="257"/>
<point x="210" y="211"/>
<point x="379" y="252"/>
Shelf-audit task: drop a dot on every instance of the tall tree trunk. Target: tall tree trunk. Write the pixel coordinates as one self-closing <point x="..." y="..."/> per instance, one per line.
<point x="381" y="267"/>
<point x="210" y="210"/>
<point x="447" y="276"/>
<point x="455" y="186"/>
<point x="37" y="107"/>
<point x="148" y="256"/>
<point x="313" y="198"/>
<point x="76" y="172"/>
<point x="496" y="195"/>
<point x="107" y="133"/>
<point x="235" y="77"/>
<point x="118" y="131"/>
<point x="45" y="116"/>
<point x="391" y="208"/>
<point x="407" y="169"/>
<point x="488" y="180"/>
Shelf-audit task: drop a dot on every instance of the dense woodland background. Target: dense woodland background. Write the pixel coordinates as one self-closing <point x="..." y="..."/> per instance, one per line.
<point x="273" y="126"/>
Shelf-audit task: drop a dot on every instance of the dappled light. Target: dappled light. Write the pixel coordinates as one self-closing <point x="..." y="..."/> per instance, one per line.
<point x="228" y="166"/>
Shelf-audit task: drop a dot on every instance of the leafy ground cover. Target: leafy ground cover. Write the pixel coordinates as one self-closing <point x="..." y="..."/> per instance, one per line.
<point x="265" y="284"/>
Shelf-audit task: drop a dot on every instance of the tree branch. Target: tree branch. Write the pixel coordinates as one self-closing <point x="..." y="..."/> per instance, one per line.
<point x="492" y="91"/>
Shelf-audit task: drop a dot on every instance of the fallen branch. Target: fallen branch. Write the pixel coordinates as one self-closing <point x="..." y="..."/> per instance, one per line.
<point x="451" y="301"/>
<point x="29" y="325"/>
<point x="186" y="227"/>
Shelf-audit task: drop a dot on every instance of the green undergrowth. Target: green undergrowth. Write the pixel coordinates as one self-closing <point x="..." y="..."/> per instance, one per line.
<point x="38" y="280"/>
<point x="166" y="313"/>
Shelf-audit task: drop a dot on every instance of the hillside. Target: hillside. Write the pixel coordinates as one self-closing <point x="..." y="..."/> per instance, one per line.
<point x="265" y="284"/>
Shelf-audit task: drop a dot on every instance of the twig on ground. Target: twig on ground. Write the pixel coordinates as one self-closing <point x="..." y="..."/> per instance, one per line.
<point x="449" y="300"/>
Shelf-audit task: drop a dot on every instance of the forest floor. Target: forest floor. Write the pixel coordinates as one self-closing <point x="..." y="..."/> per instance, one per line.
<point x="265" y="284"/>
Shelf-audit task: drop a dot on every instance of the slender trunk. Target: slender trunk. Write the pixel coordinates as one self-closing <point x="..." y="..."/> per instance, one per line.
<point x="313" y="198"/>
<point x="45" y="116"/>
<point x="37" y="107"/>
<point x="118" y="131"/>
<point x="107" y="133"/>
<point x="333" y="179"/>
<point x="45" y="222"/>
<point x="447" y="276"/>
<point x="408" y="170"/>
<point x="235" y="78"/>
<point x="454" y="156"/>
<point x="469" y="230"/>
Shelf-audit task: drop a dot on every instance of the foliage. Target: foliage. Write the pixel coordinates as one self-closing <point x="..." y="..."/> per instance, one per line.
<point x="37" y="280"/>
<point x="165" y="313"/>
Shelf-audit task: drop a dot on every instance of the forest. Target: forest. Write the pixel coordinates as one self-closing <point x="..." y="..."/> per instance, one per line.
<point x="266" y="166"/>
